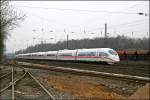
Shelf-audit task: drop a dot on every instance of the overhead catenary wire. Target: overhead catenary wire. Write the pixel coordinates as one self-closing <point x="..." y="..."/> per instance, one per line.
<point x="50" y="21"/>
<point x="129" y="23"/>
<point x="131" y="27"/>
<point x="133" y="23"/>
<point x="135" y="5"/>
<point x="103" y="11"/>
<point x="75" y="10"/>
<point x="101" y="28"/>
<point x="137" y="30"/>
<point x="81" y="10"/>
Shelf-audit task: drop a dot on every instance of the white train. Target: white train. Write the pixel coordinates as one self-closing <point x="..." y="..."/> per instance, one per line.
<point x="107" y="55"/>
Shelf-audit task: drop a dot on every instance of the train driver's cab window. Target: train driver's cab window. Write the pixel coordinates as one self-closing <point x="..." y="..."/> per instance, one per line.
<point x="112" y="52"/>
<point x="103" y="54"/>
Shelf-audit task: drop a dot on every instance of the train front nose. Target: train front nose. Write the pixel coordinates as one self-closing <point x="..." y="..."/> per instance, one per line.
<point x="117" y="59"/>
<point x="113" y="54"/>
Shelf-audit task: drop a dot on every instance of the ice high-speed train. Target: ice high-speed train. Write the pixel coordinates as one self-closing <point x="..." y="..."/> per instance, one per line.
<point x="107" y="55"/>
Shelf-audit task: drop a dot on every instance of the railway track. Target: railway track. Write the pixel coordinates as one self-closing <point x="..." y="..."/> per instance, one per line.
<point x="49" y="93"/>
<point x="118" y="82"/>
<point x="8" y="81"/>
<point x="86" y="72"/>
<point x="5" y="75"/>
<point x="7" y="78"/>
<point x="130" y="68"/>
<point x="14" y="81"/>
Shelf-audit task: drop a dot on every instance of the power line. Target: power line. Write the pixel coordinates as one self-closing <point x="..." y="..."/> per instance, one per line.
<point x="131" y="6"/>
<point x="134" y="31"/>
<point x="101" y="28"/>
<point x="77" y="10"/>
<point x="133" y="22"/>
<point x="47" y="20"/>
<point x="128" y="28"/>
<point x="119" y="25"/>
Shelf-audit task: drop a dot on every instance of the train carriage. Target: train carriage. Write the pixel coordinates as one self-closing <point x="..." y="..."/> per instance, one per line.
<point x="96" y="54"/>
<point x="66" y="55"/>
<point x="51" y="55"/>
<point x="39" y="55"/>
<point x="87" y="55"/>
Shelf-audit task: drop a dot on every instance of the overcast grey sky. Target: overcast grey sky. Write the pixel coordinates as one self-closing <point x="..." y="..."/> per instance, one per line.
<point x="46" y="20"/>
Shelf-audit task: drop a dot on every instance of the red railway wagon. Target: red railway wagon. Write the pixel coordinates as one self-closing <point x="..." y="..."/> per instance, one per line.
<point x="122" y="54"/>
<point x="143" y="54"/>
<point x="131" y="54"/>
<point x="134" y="54"/>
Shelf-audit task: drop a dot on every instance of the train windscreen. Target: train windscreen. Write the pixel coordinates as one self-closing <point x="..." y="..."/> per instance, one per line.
<point x="112" y="52"/>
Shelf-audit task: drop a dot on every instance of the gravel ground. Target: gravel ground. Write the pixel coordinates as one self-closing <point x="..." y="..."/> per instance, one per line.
<point x="42" y="74"/>
<point x="124" y="88"/>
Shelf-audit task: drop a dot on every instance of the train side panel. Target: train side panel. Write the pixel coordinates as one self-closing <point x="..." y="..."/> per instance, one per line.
<point x="66" y="55"/>
<point x="96" y="54"/>
<point x="87" y="55"/>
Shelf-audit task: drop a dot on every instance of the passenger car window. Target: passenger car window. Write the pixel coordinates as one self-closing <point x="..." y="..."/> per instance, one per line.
<point x="81" y="54"/>
<point x="90" y="53"/>
<point x="50" y="54"/>
<point x="86" y="54"/>
<point x="103" y="54"/>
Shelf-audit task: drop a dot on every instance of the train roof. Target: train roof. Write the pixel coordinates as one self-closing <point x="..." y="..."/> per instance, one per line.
<point x="51" y="52"/>
<point x="97" y="48"/>
<point x="67" y="50"/>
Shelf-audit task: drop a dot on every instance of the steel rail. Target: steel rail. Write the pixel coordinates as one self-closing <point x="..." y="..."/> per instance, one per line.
<point x="63" y="69"/>
<point x="3" y="76"/>
<point x="2" y="90"/>
<point x="114" y="66"/>
<point x="49" y="94"/>
<point x="12" y="84"/>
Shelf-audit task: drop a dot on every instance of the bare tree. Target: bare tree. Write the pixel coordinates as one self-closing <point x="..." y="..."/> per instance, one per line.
<point x="9" y="19"/>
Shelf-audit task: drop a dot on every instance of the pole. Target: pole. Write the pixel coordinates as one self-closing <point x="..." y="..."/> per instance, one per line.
<point x="67" y="40"/>
<point x="105" y="38"/>
<point x="101" y="34"/>
<point x="105" y="30"/>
